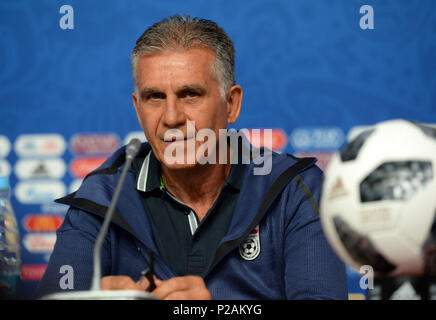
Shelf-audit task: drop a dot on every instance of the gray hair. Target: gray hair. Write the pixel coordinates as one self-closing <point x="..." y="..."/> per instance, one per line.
<point x="184" y="32"/>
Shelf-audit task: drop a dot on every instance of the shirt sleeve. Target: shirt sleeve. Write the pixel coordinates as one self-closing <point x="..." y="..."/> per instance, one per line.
<point x="70" y="266"/>
<point x="312" y="269"/>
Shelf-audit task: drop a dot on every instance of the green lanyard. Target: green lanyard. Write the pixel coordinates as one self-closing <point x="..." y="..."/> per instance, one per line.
<point x="162" y="185"/>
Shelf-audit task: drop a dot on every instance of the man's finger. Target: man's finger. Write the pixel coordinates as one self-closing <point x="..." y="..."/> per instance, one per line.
<point x="169" y="286"/>
<point x="157" y="281"/>
<point x="188" y="287"/>
<point x="143" y="283"/>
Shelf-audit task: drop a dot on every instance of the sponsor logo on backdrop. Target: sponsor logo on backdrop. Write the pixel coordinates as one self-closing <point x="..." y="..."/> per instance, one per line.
<point x="39" y="145"/>
<point x="5" y="168"/>
<point x="42" y="222"/>
<point x="257" y="138"/>
<point x="41" y="191"/>
<point x="40" y="168"/>
<point x="53" y="207"/>
<point x="32" y="272"/>
<point x="80" y="167"/>
<point x="135" y="134"/>
<point x="98" y="143"/>
<point x="39" y="242"/>
<point x="316" y="138"/>
<point x="5" y="146"/>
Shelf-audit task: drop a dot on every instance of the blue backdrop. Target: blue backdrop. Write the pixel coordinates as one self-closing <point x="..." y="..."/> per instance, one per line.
<point x="307" y="68"/>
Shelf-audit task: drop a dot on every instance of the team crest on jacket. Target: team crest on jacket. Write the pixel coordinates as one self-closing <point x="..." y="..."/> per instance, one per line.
<point x="249" y="249"/>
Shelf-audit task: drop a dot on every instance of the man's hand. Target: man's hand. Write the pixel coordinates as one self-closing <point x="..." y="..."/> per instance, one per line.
<point x="179" y="288"/>
<point x="182" y="288"/>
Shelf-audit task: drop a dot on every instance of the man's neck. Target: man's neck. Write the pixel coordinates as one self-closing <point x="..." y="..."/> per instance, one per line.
<point x="198" y="186"/>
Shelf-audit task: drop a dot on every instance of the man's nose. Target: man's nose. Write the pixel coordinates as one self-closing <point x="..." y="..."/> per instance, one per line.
<point x="173" y="115"/>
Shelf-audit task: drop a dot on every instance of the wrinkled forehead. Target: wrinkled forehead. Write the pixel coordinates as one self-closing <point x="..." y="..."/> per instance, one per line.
<point x="177" y="66"/>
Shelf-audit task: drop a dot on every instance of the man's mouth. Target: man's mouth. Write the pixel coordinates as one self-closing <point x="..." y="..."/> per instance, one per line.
<point x="179" y="140"/>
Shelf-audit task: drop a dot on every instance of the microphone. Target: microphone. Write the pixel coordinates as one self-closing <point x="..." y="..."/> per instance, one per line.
<point x="95" y="292"/>
<point x="132" y="149"/>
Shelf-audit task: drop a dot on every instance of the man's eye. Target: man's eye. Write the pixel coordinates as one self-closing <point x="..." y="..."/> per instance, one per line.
<point x="155" y="96"/>
<point x="191" y="94"/>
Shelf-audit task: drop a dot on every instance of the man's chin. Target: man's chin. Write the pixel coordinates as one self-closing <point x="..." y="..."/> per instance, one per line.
<point x="178" y="166"/>
<point x="178" y="161"/>
<point x="178" y="157"/>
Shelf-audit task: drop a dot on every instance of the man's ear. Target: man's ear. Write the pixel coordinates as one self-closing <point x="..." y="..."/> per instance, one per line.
<point x="136" y="105"/>
<point x="234" y="102"/>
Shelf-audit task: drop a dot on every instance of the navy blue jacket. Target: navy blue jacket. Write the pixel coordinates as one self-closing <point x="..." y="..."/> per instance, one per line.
<point x="295" y="260"/>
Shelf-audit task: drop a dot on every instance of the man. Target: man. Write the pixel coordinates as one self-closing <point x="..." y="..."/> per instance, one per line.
<point x="216" y="229"/>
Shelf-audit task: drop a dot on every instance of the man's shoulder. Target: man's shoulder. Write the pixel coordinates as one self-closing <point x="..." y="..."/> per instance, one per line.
<point x="309" y="177"/>
<point x="305" y="167"/>
<point x="117" y="159"/>
<point x="287" y="171"/>
<point x="99" y="184"/>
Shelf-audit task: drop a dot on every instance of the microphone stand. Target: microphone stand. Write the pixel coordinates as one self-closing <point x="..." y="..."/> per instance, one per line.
<point x="96" y="293"/>
<point x="107" y="220"/>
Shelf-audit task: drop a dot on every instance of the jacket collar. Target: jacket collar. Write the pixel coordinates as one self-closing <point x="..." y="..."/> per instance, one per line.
<point x="148" y="178"/>
<point x="96" y="192"/>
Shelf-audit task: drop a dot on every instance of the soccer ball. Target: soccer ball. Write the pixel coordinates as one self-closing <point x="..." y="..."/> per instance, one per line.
<point x="378" y="201"/>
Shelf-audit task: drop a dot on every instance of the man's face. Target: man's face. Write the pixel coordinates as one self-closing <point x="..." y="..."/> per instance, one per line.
<point x="175" y="87"/>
